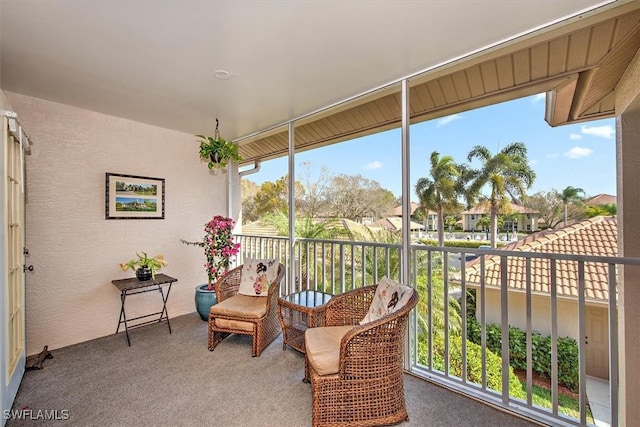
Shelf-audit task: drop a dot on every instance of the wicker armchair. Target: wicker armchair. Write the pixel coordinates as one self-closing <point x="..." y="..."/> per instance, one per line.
<point x="365" y="387"/>
<point x="247" y="315"/>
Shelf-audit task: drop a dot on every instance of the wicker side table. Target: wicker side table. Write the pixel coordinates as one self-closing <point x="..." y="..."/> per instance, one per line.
<point x="299" y="311"/>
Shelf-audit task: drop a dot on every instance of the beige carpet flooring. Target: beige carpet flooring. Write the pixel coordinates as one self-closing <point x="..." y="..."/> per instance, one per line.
<point x="173" y="380"/>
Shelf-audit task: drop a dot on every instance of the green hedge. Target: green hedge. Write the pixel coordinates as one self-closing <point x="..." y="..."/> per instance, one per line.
<point x="474" y="363"/>
<point x="540" y="351"/>
<point x="468" y="244"/>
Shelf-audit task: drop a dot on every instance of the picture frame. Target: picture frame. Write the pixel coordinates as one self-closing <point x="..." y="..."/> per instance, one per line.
<point x="134" y="197"/>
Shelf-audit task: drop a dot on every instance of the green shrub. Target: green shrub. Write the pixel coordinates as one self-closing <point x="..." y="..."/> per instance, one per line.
<point x="474" y="363"/>
<point x="540" y="351"/>
<point x="568" y="373"/>
<point x="469" y="244"/>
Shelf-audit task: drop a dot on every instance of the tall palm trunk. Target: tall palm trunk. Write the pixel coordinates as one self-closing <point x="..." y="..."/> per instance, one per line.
<point x="565" y="214"/>
<point x="494" y="224"/>
<point x="440" y="226"/>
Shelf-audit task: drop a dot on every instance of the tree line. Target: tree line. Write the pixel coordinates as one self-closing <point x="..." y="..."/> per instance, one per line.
<point x="500" y="179"/>
<point x="352" y="197"/>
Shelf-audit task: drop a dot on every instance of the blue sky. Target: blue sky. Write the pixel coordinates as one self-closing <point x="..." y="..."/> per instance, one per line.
<point x="581" y="155"/>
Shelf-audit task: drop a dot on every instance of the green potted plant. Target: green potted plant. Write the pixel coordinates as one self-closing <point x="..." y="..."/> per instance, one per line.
<point x="217" y="151"/>
<point x="145" y="266"/>
<point x="219" y="249"/>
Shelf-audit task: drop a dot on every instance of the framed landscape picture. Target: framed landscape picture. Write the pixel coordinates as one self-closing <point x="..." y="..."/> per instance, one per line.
<point x="134" y="197"/>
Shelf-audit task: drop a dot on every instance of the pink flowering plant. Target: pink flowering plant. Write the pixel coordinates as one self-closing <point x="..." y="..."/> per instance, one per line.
<point x="219" y="247"/>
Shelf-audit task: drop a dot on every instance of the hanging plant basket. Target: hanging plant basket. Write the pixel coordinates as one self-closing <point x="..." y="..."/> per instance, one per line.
<point x="217" y="151"/>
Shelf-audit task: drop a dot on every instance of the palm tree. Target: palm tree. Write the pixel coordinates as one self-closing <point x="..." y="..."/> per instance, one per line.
<point x="571" y="195"/>
<point x="507" y="173"/>
<point x="439" y="192"/>
<point x="467" y="175"/>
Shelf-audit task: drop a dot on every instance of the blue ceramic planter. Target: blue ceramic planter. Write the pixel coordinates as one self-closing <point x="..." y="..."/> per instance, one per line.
<point x="204" y="300"/>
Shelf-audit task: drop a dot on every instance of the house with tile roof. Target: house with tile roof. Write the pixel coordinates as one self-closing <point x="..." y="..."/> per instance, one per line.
<point x="595" y="236"/>
<point x="527" y="218"/>
<point x="432" y="216"/>
<point x="395" y="224"/>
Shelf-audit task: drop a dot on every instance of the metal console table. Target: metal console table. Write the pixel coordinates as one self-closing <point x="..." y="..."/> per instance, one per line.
<point x="134" y="286"/>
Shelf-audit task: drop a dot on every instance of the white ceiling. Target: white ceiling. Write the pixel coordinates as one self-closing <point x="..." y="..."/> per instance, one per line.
<point x="154" y="61"/>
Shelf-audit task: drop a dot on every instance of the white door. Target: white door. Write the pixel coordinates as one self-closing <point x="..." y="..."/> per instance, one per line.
<point x="12" y="314"/>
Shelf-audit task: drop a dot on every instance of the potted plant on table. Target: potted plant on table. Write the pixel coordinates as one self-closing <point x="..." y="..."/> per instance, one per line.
<point x="219" y="249"/>
<point x="217" y="151"/>
<point x="144" y="266"/>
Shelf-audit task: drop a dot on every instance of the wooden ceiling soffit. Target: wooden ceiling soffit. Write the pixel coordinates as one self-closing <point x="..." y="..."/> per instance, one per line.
<point x="606" y="77"/>
<point x="380" y="115"/>
<point x="331" y="125"/>
<point x="559" y="102"/>
<point x="594" y="94"/>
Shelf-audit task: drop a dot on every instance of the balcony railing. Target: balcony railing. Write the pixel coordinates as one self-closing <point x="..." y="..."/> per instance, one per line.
<point x="531" y="290"/>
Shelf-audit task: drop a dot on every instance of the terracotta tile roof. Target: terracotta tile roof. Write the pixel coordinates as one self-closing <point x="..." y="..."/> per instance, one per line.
<point x="484" y="209"/>
<point x="356" y="228"/>
<point x="258" y="228"/>
<point x="601" y="199"/>
<point x="395" y="223"/>
<point x="596" y="236"/>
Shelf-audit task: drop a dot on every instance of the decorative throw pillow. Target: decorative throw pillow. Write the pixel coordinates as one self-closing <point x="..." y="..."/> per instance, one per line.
<point x="257" y="275"/>
<point x="390" y="296"/>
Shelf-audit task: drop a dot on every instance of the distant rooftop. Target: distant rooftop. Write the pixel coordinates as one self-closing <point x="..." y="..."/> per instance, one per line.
<point x="259" y="228"/>
<point x="397" y="211"/>
<point x="395" y="223"/>
<point x="601" y="199"/>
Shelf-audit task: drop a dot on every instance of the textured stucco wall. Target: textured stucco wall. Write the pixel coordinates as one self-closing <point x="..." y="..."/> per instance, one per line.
<point x="74" y="250"/>
<point x="540" y="309"/>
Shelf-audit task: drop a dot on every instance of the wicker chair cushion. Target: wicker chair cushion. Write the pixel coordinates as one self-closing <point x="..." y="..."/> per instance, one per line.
<point x="257" y="274"/>
<point x="390" y="296"/>
<point x="322" y="347"/>
<point x="235" y="324"/>
<point x="241" y="306"/>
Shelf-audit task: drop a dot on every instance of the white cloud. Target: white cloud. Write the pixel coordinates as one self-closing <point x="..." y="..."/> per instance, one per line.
<point x="575" y="136"/>
<point x="446" y="120"/>
<point x="601" y="131"/>
<point x="533" y="161"/>
<point x="553" y="155"/>
<point x="578" y="152"/>
<point x="539" y="97"/>
<point x="373" y="165"/>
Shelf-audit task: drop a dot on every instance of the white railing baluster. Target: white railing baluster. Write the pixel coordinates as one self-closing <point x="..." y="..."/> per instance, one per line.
<point x="554" y="337"/>
<point x="582" y="356"/>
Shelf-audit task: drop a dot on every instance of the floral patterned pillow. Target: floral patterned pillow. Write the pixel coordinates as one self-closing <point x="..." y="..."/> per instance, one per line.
<point x="390" y="296"/>
<point x="257" y="275"/>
